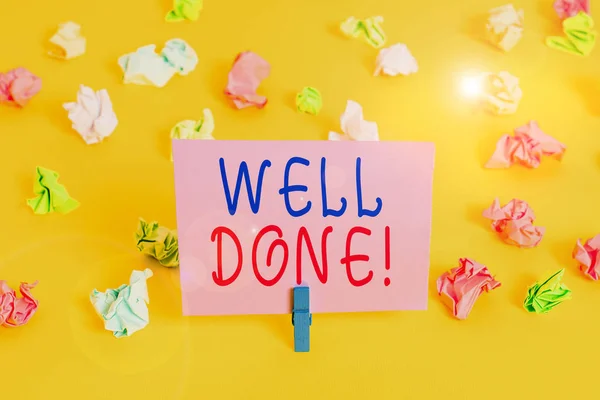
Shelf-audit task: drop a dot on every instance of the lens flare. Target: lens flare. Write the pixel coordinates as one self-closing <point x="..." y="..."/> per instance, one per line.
<point x="471" y="86"/>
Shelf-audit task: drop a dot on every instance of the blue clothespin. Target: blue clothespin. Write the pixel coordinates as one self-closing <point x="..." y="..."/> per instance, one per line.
<point x="301" y="319"/>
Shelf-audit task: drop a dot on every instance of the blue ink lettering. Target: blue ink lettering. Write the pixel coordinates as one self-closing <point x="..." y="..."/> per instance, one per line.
<point x="287" y="188"/>
<point x="243" y="173"/>
<point x="363" y="211"/>
<point x="328" y="211"/>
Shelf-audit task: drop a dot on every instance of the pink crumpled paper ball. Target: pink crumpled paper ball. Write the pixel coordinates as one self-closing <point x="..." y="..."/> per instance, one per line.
<point x="588" y="257"/>
<point x="246" y="74"/>
<point x="16" y="311"/>
<point x="464" y="284"/>
<point x="514" y="223"/>
<point x="18" y="86"/>
<point x="570" y="8"/>
<point x="527" y="147"/>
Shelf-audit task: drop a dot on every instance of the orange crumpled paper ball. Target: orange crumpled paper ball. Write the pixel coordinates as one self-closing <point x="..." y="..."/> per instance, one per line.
<point x="18" y="86"/>
<point x="514" y="223"/>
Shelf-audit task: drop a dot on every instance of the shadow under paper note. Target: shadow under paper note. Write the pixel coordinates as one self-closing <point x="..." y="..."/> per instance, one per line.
<point x="163" y="141"/>
<point x="281" y="327"/>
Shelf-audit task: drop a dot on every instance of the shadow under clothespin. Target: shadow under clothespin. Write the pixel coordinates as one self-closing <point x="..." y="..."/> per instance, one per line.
<point x="301" y="319"/>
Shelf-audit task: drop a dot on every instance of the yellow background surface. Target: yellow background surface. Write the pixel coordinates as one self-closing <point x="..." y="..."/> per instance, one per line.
<point x="499" y="351"/>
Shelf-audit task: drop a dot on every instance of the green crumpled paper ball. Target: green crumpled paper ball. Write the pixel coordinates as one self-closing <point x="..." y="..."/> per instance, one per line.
<point x="124" y="310"/>
<point x="309" y="101"/>
<point x="580" y="35"/>
<point x="543" y="297"/>
<point x="369" y="30"/>
<point x="51" y="195"/>
<point x="195" y="130"/>
<point x="158" y="242"/>
<point x="185" y="9"/>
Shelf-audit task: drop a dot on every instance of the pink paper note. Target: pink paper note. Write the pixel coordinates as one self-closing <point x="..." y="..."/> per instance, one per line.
<point x="463" y="285"/>
<point x="514" y="223"/>
<point x="376" y="261"/>
<point x="588" y="257"/>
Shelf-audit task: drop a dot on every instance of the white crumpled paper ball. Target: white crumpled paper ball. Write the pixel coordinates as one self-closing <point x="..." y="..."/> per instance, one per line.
<point x="396" y="60"/>
<point x="92" y="114"/>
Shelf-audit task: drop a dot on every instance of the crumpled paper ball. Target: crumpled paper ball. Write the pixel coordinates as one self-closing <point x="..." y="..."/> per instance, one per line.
<point x="570" y="8"/>
<point x="527" y="147"/>
<point x="184" y="9"/>
<point x="396" y="60"/>
<point x="580" y="36"/>
<point x="463" y="285"/>
<point x="309" y="101"/>
<point x="505" y="26"/>
<point x="514" y="223"/>
<point x="68" y="42"/>
<point x="369" y="30"/>
<point x="180" y="56"/>
<point x="543" y="297"/>
<point x="92" y="114"/>
<point x="145" y="67"/>
<point x="195" y="130"/>
<point x="354" y="125"/>
<point x="588" y="257"/>
<point x="51" y="196"/>
<point x="158" y="242"/>
<point x="124" y="310"/>
<point x="18" y="86"/>
<point x="15" y="311"/>
<point x="501" y="93"/>
<point x="248" y="71"/>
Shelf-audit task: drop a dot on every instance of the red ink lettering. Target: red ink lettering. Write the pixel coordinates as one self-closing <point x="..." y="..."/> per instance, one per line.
<point x="217" y="275"/>
<point x="387" y="280"/>
<point x="322" y="272"/>
<point x="356" y="257"/>
<point x="274" y="244"/>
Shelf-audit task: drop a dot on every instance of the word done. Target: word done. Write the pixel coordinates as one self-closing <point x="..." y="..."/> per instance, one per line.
<point x="302" y="239"/>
